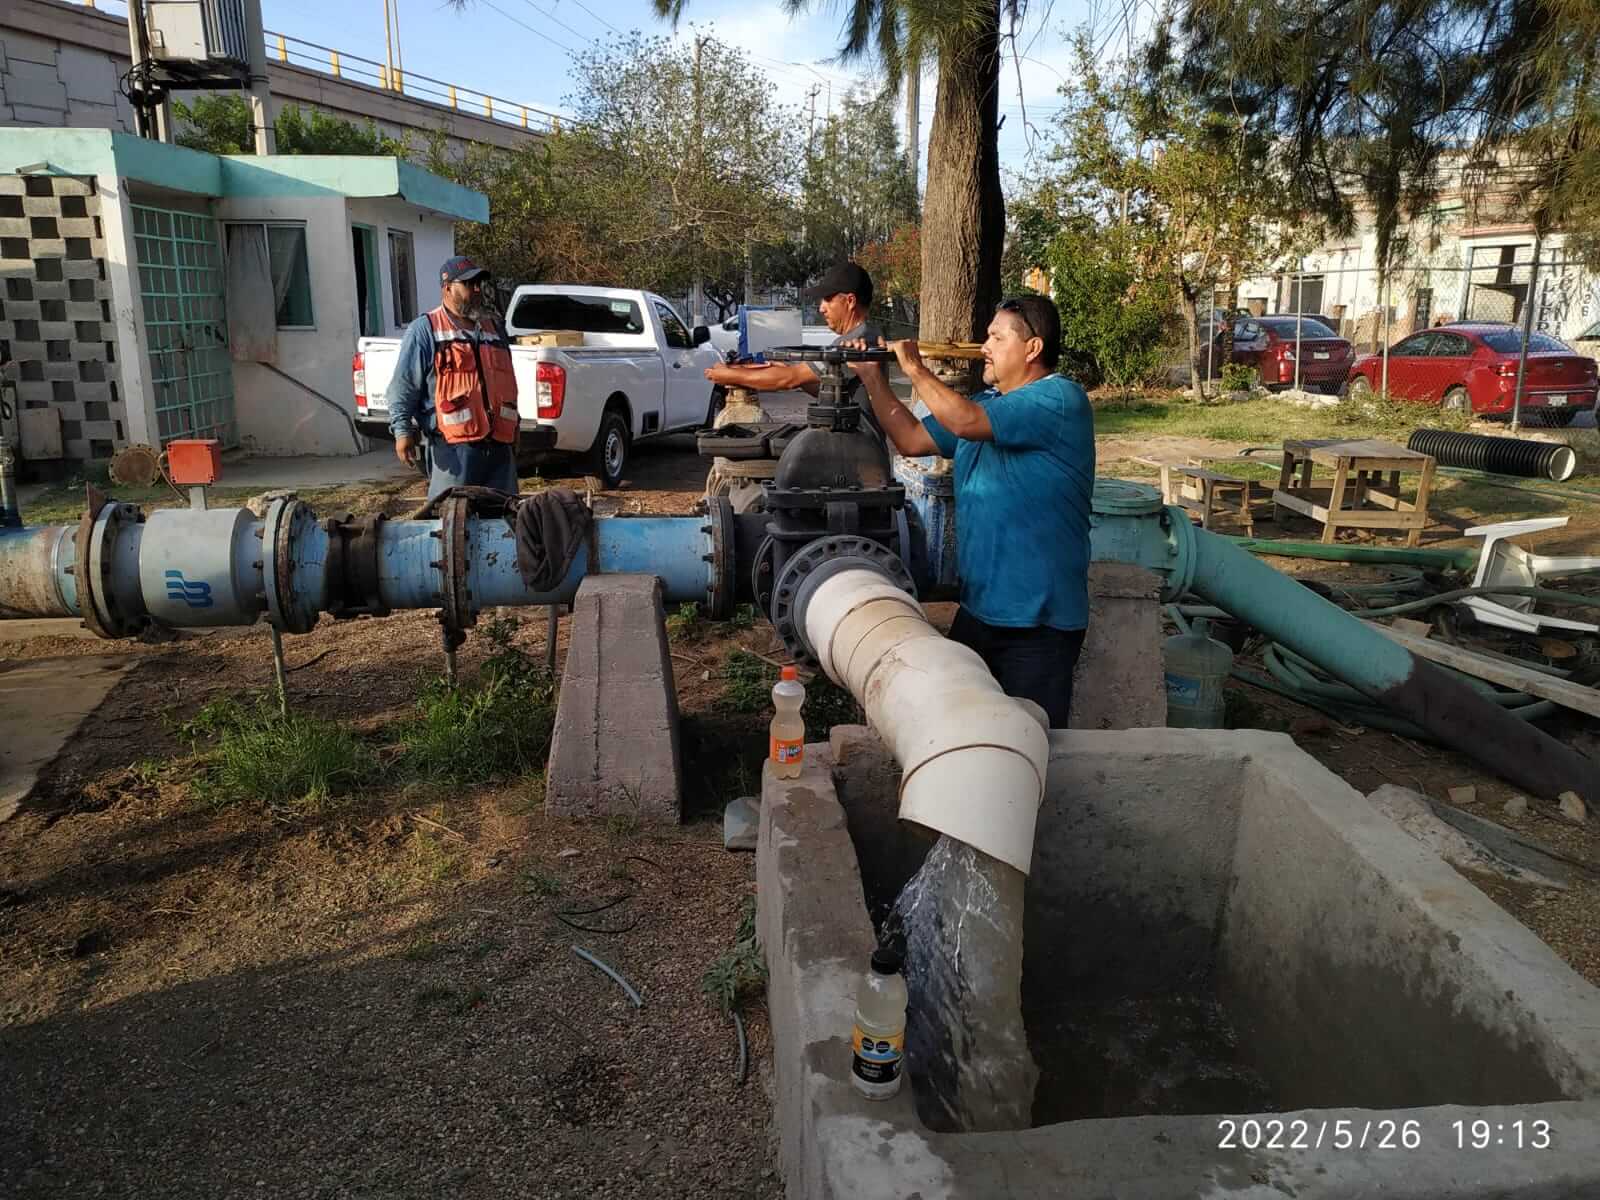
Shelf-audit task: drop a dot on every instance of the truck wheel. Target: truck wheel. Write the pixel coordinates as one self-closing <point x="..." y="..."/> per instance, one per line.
<point x="608" y="457"/>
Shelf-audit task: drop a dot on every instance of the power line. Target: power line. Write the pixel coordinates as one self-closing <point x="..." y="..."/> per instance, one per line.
<point x="536" y="32"/>
<point x="597" y="16"/>
<point x="549" y="16"/>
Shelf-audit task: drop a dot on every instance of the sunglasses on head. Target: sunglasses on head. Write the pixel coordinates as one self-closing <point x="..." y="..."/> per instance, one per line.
<point x="1014" y="307"/>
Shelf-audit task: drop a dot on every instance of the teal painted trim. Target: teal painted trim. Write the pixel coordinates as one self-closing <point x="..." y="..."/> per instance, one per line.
<point x="350" y="175"/>
<point x="175" y="167"/>
<point x="305" y="175"/>
<point x="434" y="192"/>
<point x="1296" y="617"/>
<point x="62" y="151"/>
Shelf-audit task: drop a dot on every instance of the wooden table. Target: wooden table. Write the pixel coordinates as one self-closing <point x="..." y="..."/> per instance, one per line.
<point x="1195" y="486"/>
<point x="1359" y="497"/>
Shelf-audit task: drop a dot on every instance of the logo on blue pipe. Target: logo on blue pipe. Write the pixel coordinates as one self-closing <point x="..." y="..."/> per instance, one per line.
<point x="193" y="592"/>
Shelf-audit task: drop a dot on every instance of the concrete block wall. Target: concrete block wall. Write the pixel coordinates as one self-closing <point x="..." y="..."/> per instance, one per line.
<point x="46" y="81"/>
<point x="55" y="310"/>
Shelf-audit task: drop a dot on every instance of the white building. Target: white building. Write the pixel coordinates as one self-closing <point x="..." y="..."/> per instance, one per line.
<point x="1461" y="270"/>
<point x="150" y="292"/>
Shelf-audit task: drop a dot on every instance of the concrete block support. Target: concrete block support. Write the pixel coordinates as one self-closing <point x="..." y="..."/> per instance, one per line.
<point x="615" y="748"/>
<point x="1119" y="682"/>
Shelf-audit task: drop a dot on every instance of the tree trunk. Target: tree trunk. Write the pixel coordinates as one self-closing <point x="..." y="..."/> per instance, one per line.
<point x="963" y="213"/>
<point x="1186" y="301"/>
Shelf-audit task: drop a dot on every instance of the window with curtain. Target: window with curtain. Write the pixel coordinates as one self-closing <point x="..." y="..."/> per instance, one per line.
<point x="285" y="264"/>
<point x="402" y="277"/>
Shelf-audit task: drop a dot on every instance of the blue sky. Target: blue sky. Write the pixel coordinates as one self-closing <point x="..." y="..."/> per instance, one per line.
<point x="521" y="50"/>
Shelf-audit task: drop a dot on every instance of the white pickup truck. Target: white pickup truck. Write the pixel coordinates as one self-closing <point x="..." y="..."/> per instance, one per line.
<point x="640" y="372"/>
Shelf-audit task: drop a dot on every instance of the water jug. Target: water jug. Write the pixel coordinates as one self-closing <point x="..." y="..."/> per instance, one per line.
<point x="1197" y="666"/>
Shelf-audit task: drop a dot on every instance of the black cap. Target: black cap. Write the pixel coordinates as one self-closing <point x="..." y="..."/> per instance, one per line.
<point x="887" y="961"/>
<point x="460" y="269"/>
<point x="843" y="277"/>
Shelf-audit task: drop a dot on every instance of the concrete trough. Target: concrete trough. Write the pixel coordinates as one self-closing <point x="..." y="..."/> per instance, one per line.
<point x="1240" y="979"/>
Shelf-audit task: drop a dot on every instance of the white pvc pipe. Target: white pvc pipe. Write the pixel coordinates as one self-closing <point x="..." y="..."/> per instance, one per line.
<point x="973" y="758"/>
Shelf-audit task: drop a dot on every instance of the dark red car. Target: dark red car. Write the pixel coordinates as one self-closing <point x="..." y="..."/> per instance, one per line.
<point x="1269" y="345"/>
<point x="1473" y="366"/>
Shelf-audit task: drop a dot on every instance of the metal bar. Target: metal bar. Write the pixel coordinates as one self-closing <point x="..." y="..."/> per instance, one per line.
<point x="283" y="49"/>
<point x="333" y="60"/>
<point x="1527" y="330"/>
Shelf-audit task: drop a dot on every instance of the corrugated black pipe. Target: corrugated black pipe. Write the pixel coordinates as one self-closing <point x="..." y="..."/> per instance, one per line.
<point x="1497" y="455"/>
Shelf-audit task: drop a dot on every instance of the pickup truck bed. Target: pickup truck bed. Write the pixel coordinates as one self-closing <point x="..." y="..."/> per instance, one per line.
<point x="640" y="373"/>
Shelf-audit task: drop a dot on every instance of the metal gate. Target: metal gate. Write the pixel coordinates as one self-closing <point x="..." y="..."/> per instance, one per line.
<point x="181" y="284"/>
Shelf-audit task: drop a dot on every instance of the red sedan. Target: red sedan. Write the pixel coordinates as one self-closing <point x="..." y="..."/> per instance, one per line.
<point x="1269" y="344"/>
<point x="1473" y="367"/>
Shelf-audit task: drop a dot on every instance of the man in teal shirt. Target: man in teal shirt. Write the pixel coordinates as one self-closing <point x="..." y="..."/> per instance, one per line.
<point x="1024" y="474"/>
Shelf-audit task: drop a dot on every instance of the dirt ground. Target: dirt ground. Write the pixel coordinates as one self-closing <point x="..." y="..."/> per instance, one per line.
<point x="381" y="998"/>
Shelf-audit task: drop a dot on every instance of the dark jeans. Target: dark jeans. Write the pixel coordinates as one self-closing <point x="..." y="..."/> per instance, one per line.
<point x="1033" y="664"/>
<point x="475" y="464"/>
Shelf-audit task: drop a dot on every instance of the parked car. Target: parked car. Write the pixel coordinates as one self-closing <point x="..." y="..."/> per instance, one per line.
<point x="1472" y="367"/>
<point x="725" y="334"/>
<point x="639" y="373"/>
<point x="1269" y="345"/>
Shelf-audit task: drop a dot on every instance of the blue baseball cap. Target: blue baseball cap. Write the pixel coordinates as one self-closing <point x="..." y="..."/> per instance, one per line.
<point x="459" y="270"/>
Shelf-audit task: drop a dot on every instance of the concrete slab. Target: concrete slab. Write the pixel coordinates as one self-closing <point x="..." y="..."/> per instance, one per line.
<point x="315" y="471"/>
<point x="615" y="747"/>
<point x="1388" y="1002"/>
<point x="42" y="704"/>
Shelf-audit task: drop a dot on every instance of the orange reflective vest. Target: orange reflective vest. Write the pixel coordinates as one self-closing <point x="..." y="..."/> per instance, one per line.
<point x="474" y="389"/>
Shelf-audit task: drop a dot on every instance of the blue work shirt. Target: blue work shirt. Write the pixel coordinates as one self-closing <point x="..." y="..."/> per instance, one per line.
<point x="410" y="393"/>
<point x="1022" y="524"/>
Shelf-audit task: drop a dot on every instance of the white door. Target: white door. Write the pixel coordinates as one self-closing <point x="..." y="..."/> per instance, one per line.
<point x="687" y="389"/>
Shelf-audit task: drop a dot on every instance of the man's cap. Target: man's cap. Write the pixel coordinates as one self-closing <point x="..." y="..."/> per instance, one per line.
<point x="843" y="277"/>
<point x="459" y="270"/>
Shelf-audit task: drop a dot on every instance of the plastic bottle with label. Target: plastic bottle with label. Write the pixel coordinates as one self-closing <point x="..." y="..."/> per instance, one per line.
<point x="1197" y="667"/>
<point x="878" y="1042"/>
<point x="788" y="733"/>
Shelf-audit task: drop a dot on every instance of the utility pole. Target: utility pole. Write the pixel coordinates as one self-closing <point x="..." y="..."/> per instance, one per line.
<point x="388" y="49"/>
<point x="697" y="302"/>
<point x="266" y="141"/>
<point x="399" y="53"/>
<point x="155" y="120"/>
<point x="913" y="120"/>
<point x="811" y="123"/>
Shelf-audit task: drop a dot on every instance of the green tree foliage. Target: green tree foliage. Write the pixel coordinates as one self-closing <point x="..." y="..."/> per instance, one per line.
<point x="1186" y="193"/>
<point x="680" y="158"/>
<point x="1383" y="104"/>
<point x="857" y="186"/>
<point x="1115" y="328"/>
<point x="963" y="217"/>
<point x="219" y="123"/>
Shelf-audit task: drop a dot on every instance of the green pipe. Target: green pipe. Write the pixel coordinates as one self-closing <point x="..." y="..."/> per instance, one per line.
<point x="1355" y="653"/>
<point x="1582" y="495"/>
<point x="1538" y="593"/>
<point x="1465" y="559"/>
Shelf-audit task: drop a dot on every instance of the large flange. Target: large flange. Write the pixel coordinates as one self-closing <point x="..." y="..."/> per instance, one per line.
<point x="287" y="520"/>
<point x="457" y="611"/>
<point x="721" y="581"/>
<point x="813" y="562"/>
<point x="95" y="541"/>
